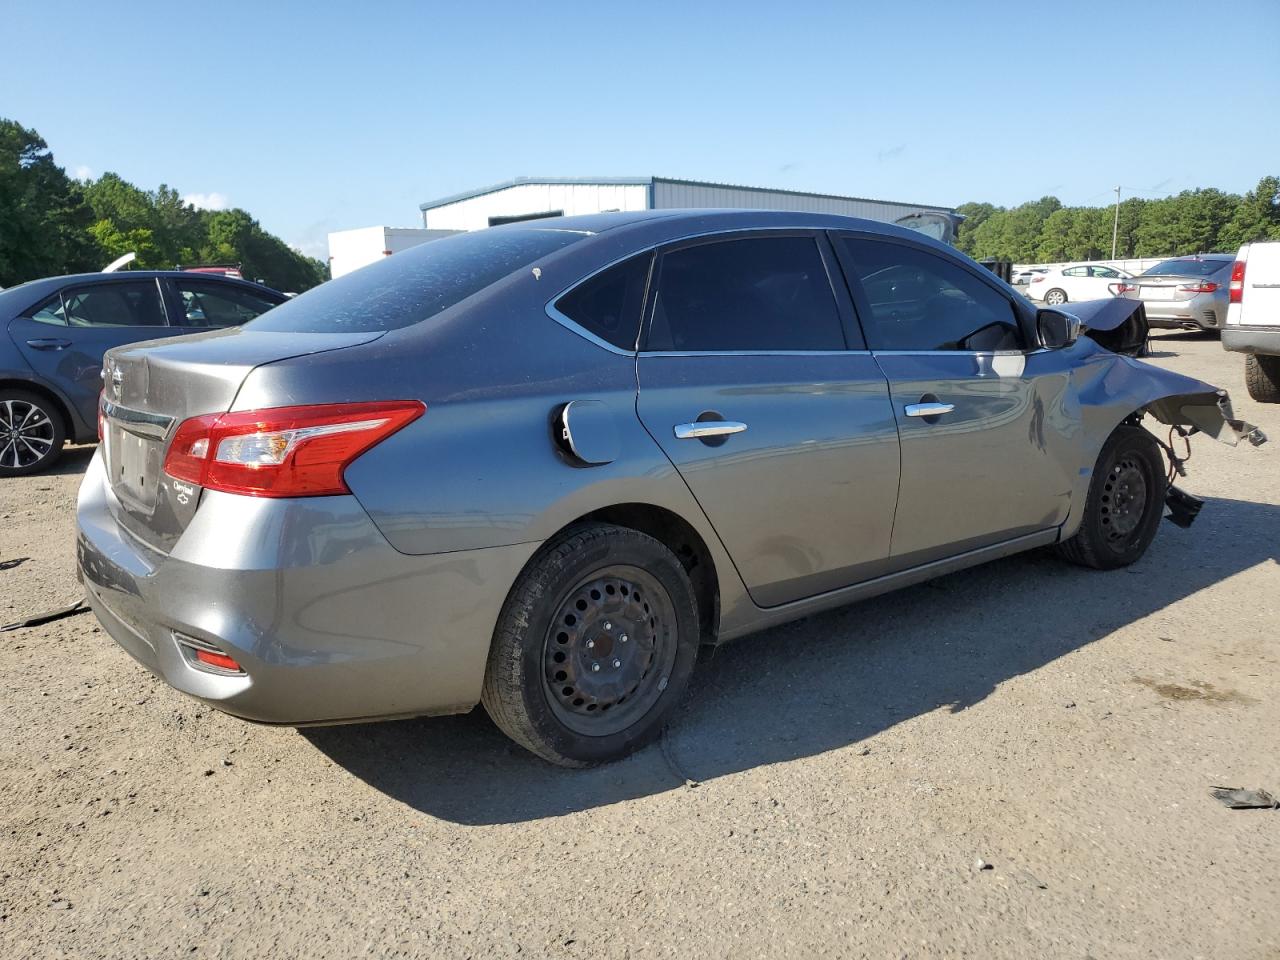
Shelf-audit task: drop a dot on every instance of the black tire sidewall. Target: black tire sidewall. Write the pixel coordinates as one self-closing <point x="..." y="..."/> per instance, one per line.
<point x="1136" y="442"/>
<point x="1053" y="291"/>
<point x="59" y="432"/>
<point x="623" y="547"/>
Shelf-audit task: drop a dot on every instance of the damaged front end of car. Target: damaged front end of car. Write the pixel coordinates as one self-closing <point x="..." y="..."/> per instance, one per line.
<point x="1114" y="386"/>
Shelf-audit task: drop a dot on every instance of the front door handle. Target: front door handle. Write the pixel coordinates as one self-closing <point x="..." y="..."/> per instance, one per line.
<point x="49" y="344"/>
<point x="708" y="428"/>
<point x="928" y="409"/>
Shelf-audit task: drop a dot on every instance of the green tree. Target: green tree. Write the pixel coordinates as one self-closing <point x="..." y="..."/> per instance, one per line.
<point x="44" y="221"/>
<point x="975" y="215"/>
<point x="1256" y="217"/>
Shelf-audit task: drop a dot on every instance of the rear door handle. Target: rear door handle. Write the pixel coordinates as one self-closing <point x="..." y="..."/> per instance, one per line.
<point x="49" y="344"/>
<point x="928" y="409"/>
<point x="708" y="428"/>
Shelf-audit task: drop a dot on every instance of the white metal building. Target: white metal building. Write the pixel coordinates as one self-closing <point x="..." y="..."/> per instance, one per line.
<point x="530" y="198"/>
<point x="352" y="249"/>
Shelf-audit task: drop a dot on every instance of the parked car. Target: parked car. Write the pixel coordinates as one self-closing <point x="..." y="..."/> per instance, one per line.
<point x="1188" y="293"/>
<point x="1084" y="281"/>
<point x="536" y="466"/>
<point x="1023" y="277"/>
<point x="57" y="329"/>
<point x="1253" y="318"/>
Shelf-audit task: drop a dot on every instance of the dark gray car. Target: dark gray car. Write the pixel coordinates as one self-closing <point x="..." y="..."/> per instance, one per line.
<point x="54" y="332"/>
<point x="537" y="466"/>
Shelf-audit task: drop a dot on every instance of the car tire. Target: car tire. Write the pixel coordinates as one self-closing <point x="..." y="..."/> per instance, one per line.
<point x="594" y="646"/>
<point x="1125" y="502"/>
<point x="1262" y="377"/>
<point x="1056" y="297"/>
<point x="31" y="433"/>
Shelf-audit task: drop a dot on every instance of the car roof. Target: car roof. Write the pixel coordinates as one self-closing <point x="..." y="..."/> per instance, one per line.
<point x="677" y="223"/>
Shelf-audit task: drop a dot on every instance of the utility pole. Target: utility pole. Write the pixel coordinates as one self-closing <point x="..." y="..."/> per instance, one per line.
<point x="1115" y="225"/>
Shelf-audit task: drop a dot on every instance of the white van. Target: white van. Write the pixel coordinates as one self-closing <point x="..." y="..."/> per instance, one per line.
<point x="1253" y="318"/>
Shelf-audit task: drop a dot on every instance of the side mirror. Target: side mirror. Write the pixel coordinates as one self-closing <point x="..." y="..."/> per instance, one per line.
<point x="1057" y="328"/>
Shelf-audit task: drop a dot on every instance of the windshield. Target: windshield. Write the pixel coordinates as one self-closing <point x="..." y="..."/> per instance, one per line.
<point x="414" y="285"/>
<point x="1191" y="267"/>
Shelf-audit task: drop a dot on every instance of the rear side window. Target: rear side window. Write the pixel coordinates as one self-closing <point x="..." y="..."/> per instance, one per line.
<point x="921" y="301"/>
<point x="415" y="284"/>
<point x="609" y="304"/>
<point x="759" y="293"/>
<point x="213" y="304"/>
<point x="135" y="304"/>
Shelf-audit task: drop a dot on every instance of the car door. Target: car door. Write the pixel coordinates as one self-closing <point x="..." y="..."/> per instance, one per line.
<point x="65" y="336"/>
<point x="985" y="421"/>
<point x="755" y="383"/>
<point x="202" y="304"/>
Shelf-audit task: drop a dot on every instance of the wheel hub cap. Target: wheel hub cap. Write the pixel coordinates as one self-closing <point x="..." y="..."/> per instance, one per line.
<point x="601" y="645"/>
<point x="26" y="434"/>
<point x="1124" y="500"/>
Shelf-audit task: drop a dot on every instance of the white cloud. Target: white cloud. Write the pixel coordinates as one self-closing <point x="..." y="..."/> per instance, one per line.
<point x="82" y="172"/>
<point x="207" y="201"/>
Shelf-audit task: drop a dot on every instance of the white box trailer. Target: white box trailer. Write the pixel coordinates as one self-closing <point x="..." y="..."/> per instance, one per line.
<point x="352" y="249"/>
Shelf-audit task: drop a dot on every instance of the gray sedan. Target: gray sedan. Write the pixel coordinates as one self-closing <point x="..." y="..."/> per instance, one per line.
<point x="1188" y="293"/>
<point x="537" y="466"/>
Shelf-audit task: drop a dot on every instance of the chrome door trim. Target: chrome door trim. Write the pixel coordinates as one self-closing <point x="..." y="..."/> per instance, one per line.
<point x="708" y="428"/>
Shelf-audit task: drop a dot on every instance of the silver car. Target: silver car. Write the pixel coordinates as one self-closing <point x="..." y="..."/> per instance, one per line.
<point x="1187" y="293"/>
<point x="537" y="466"/>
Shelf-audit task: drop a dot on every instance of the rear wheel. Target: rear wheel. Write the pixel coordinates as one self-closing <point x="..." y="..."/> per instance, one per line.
<point x="594" y="646"/>
<point x="1125" y="501"/>
<point x="1055" y="297"/>
<point x="1262" y="377"/>
<point x="31" y="433"/>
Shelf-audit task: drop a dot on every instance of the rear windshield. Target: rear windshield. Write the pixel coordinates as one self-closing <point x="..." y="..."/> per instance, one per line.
<point x="1187" y="268"/>
<point x="414" y="285"/>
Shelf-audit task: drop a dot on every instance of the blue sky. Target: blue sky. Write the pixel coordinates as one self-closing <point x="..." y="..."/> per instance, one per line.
<point x="323" y="116"/>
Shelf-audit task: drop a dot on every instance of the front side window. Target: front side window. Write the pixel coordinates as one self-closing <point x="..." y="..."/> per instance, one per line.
<point x="919" y="301"/>
<point x="758" y="293"/>
<point x="134" y="304"/>
<point x="609" y="304"/>
<point x="1105" y="272"/>
<point x="206" y="304"/>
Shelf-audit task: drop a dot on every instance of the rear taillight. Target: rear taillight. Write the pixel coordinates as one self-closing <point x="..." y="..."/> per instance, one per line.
<point x="1207" y="286"/>
<point x="1120" y="289"/>
<point x="1038" y="278"/>
<point x="1237" y="281"/>
<point x="283" y="451"/>
<point x="102" y="416"/>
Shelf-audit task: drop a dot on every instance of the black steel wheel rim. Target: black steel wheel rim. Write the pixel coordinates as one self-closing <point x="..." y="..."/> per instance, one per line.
<point x="26" y="434"/>
<point x="609" y="650"/>
<point x="1123" y="504"/>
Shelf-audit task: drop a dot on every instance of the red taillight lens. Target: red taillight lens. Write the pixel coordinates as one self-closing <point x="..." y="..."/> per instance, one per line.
<point x="1120" y="289"/>
<point x="102" y="416"/>
<point x="1207" y="286"/>
<point x="283" y="451"/>
<point x="1038" y="278"/>
<point x="1236" y="288"/>
<point x="217" y="660"/>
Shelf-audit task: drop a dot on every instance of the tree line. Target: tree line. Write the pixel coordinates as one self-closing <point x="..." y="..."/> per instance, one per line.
<point x="52" y="224"/>
<point x="1194" y="221"/>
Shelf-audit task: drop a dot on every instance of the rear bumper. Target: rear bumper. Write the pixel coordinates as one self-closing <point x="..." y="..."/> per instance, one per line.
<point x="329" y="622"/>
<point x="1252" y="339"/>
<point x="1202" y="312"/>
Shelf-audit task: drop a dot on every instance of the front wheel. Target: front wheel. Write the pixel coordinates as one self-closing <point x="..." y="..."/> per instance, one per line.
<point x="1125" y="501"/>
<point x="595" y="644"/>
<point x="1055" y="297"/>
<point x="31" y="433"/>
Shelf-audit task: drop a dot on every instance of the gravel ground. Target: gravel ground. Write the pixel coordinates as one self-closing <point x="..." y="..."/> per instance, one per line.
<point x="828" y="789"/>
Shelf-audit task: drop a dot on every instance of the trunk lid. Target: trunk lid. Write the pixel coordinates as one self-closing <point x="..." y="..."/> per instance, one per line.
<point x="150" y="388"/>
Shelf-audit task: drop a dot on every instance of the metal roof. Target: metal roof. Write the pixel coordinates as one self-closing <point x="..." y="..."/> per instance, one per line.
<point x="649" y="181"/>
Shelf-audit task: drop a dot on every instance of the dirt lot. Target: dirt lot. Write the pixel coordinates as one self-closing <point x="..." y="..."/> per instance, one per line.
<point x="1061" y="725"/>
